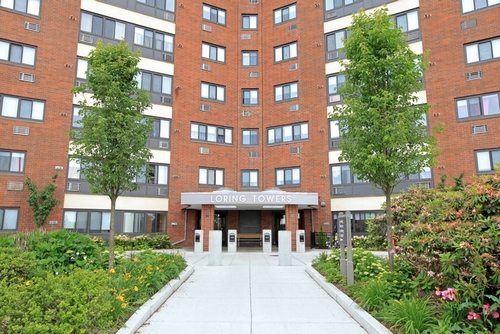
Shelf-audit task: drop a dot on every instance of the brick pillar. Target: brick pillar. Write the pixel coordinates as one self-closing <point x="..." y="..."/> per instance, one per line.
<point x="308" y="221"/>
<point x="292" y="221"/>
<point x="207" y="222"/>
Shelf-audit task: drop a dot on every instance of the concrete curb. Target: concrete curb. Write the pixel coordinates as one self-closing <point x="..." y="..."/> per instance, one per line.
<point x="365" y="319"/>
<point x="152" y="305"/>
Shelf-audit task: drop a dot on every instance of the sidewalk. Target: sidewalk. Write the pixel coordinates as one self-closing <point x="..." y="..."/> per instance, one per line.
<point x="250" y="294"/>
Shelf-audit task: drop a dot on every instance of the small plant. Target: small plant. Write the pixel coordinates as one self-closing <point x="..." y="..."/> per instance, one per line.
<point x="321" y="238"/>
<point x="373" y="294"/>
<point x="41" y="202"/>
<point x="410" y="315"/>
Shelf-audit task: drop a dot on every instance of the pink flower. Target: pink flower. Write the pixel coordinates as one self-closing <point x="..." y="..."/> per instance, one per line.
<point x="473" y="316"/>
<point x="393" y="251"/>
<point x="486" y="308"/>
<point x="496" y="315"/>
<point x="438" y="293"/>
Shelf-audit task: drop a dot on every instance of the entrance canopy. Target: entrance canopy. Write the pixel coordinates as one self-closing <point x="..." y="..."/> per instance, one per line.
<point x="228" y="199"/>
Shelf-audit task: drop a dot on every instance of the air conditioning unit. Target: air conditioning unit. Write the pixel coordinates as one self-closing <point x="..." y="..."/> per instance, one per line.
<point x="166" y="99"/>
<point x="294" y="107"/>
<point x="332" y="55"/>
<point x="14" y="186"/>
<point x="294" y="150"/>
<point x="169" y="16"/>
<point x="424" y="184"/>
<point x="292" y="27"/>
<point x="413" y="35"/>
<point x="293" y="66"/>
<point x="246" y="36"/>
<point x="26" y="77"/>
<point x="254" y="1"/>
<point x="337" y="190"/>
<point x="253" y="74"/>
<point x="21" y="130"/>
<point x="204" y="150"/>
<point x="168" y="57"/>
<point x="473" y="75"/>
<point x="246" y="113"/>
<point x="334" y="98"/>
<point x="163" y="144"/>
<point x="161" y="191"/>
<point x="253" y="154"/>
<point x="73" y="186"/>
<point x="206" y="67"/>
<point x="86" y="38"/>
<point x="31" y="26"/>
<point x="479" y="129"/>
<point x="331" y="14"/>
<point x="204" y="107"/>
<point x="206" y="27"/>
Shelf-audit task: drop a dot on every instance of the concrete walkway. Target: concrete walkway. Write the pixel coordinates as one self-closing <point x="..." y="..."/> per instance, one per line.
<point x="250" y="293"/>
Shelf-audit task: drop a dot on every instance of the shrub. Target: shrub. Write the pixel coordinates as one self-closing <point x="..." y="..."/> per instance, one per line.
<point x="410" y="315"/>
<point x="373" y="295"/>
<point x="360" y="241"/>
<point x="143" y="242"/>
<point x="16" y="264"/>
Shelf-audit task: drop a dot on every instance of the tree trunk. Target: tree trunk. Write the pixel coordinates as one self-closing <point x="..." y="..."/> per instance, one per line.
<point x="111" y="242"/>
<point x="388" y="216"/>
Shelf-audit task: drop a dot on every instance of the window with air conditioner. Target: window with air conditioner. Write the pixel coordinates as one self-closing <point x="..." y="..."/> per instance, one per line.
<point x="334" y="82"/>
<point x="334" y="45"/>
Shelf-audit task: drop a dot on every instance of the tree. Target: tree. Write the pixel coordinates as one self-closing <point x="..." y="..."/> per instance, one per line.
<point x="383" y="132"/>
<point x="111" y="144"/>
<point x="41" y="202"/>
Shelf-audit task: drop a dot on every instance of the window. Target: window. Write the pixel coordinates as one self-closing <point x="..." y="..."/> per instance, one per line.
<point x="285" y="52"/>
<point x="471" y="5"/>
<point x="102" y="26"/>
<point x="16" y="107"/>
<point x="8" y="219"/>
<point x="424" y="174"/>
<point x="334" y="44"/>
<point x="211" y="176"/>
<point x="214" y="14"/>
<point x="212" y="92"/>
<point x="11" y="161"/>
<point x="161" y="128"/>
<point x="74" y="170"/>
<point x="168" y="5"/>
<point x="76" y="117"/>
<point x="341" y="174"/>
<point x="249" y="58"/>
<point x="81" y="68"/>
<point x="286" y="92"/>
<point x="333" y="4"/>
<point x="482" y="51"/>
<point x="151" y="39"/>
<point x="213" y="52"/>
<point x="250" y="137"/>
<point x="477" y="106"/>
<point x="250" y="96"/>
<point x="249" y="21"/>
<point x="31" y="7"/>
<point x="17" y="53"/>
<point x="154" y="82"/>
<point x="78" y="221"/>
<point x="249" y="179"/>
<point x="288" y="176"/>
<point x="157" y="174"/>
<point x="210" y="133"/>
<point x="144" y="222"/>
<point x="285" y="14"/>
<point x="334" y="135"/>
<point x="487" y="160"/>
<point x="288" y="133"/>
<point x="334" y="82"/>
<point x="408" y="21"/>
<point x="358" y="220"/>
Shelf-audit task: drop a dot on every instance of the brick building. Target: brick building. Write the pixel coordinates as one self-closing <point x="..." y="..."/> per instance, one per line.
<point x="240" y="91"/>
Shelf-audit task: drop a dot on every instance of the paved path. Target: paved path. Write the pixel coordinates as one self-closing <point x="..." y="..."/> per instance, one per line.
<point x="250" y="294"/>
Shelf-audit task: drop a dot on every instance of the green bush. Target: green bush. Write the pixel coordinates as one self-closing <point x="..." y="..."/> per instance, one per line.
<point x="16" y="264"/>
<point x="143" y="242"/>
<point x="372" y="295"/>
<point x="410" y="315"/>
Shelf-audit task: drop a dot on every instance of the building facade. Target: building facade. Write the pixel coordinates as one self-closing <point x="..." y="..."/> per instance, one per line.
<point x="241" y="92"/>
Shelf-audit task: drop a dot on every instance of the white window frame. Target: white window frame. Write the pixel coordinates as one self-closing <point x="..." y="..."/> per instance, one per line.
<point x="213" y="92"/>
<point x="248" y="56"/>
<point x="283" y="176"/>
<point x="211" y="176"/>
<point x="286" y="92"/>
<point x="211" y="133"/>
<point x="213" y="52"/>
<point x="487" y="160"/>
<point x="252" y="176"/>
<point x="472" y="5"/>
<point x="285" y="52"/>
<point x="16" y="107"/>
<point x="285" y="14"/>
<point x="249" y="21"/>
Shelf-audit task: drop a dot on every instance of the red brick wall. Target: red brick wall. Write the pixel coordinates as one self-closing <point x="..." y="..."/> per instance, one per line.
<point x="47" y="143"/>
<point x="445" y="79"/>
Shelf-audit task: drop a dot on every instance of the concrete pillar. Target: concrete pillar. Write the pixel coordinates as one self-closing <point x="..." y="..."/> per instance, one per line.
<point x="215" y="248"/>
<point x="285" y="248"/>
<point x="207" y="222"/>
<point x="232" y="238"/>
<point x="267" y="241"/>
<point x="198" y="241"/>
<point x="300" y="241"/>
